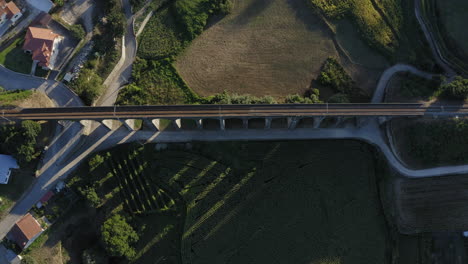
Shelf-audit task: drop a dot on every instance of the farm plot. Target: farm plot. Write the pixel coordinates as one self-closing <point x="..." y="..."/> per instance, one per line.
<point x="433" y="204"/>
<point x="240" y="202"/>
<point x="262" y="48"/>
<point x="258" y="203"/>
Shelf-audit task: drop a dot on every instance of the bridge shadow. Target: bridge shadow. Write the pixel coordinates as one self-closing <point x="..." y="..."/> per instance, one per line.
<point x="442" y="107"/>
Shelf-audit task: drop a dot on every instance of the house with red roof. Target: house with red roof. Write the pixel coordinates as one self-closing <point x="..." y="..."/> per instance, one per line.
<point x="9" y="12"/>
<point x="42" y="43"/>
<point x="25" y="231"/>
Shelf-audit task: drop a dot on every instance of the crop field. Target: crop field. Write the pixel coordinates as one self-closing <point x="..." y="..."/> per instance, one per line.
<point x="256" y="202"/>
<point x="235" y="202"/>
<point x="262" y="48"/>
<point x="453" y="16"/>
<point x="433" y="204"/>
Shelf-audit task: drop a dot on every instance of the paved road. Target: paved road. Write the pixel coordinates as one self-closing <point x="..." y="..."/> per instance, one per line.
<point x="123" y="70"/>
<point x="58" y="92"/>
<point x="432" y="42"/>
<point x="379" y="93"/>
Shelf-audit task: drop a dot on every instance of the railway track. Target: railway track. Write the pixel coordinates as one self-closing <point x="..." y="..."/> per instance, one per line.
<point x="231" y="111"/>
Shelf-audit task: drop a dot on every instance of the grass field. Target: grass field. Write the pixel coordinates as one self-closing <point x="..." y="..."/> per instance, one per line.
<point x="425" y="142"/>
<point x="262" y="48"/>
<point x="14" y="58"/>
<point x="453" y="16"/>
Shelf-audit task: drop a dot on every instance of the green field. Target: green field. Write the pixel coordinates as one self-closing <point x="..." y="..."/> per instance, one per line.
<point x="241" y="202"/>
<point x="14" y="58"/>
<point x="427" y="143"/>
<point x="13" y="97"/>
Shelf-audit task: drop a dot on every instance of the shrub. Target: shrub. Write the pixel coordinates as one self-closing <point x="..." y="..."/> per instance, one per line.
<point x="117" y="235"/>
<point x="297" y="99"/>
<point x="334" y="76"/>
<point x="458" y="89"/>
<point x="194" y="14"/>
<point x="91" y="196"/>
<point x="95" y="162"/>
<point x="88" y="86"/>
<point x="77" y="31"/>
<point x="225" y="98"/>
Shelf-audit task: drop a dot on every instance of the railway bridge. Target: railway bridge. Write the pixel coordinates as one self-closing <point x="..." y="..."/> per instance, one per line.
<point x="234" y="116"/>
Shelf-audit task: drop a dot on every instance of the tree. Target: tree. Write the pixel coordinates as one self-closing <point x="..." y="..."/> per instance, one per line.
<point x="458" y="89"/>
<point x="77" y="31"/>
<point x="88" y="85"/>
<point x="91" y="196"/>
<point x="117" y="235"/>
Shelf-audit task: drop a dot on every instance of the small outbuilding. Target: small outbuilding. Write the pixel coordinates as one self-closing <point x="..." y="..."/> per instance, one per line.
<point x="25" y="231"/>
<point x="7" y="163"/>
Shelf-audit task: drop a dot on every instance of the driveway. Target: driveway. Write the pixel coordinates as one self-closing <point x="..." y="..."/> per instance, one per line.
<point x="75" y="10"/>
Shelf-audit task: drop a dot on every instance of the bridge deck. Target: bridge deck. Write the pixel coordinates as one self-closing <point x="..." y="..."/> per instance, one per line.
<point x="231" y="111"/>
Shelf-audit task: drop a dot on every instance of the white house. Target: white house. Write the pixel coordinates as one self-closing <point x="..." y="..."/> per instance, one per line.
<point x="7" y="163"/>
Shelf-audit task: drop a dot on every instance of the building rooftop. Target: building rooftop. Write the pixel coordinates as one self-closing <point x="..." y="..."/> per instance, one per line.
<point x="25" y="229"/>
<point x="7" y="163"/>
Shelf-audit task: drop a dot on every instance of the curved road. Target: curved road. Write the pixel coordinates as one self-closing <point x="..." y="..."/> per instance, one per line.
<point x="123" y="70"/>
<point x="57" y="91"/>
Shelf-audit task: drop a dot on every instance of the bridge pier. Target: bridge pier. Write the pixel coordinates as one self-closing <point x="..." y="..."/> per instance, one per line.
<point x="152" y="124"/>
<point x="318" y="121"/>
<point x="338" y="121"/>
<point x="292" y="122"/>
<point x="222" y="124"/>
<point x="177" y="124"/>
<point x="130" y="124"/>
<point x="383" y="119"/>
<point x="268" y="122"/>
<point x="245" y="123"/>
<point x="199" y="123"/>
<point x="111" y="124"/>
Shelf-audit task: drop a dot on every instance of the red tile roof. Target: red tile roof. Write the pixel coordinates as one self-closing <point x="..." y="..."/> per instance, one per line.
<point x="11" y="10"/>
<point x="40" y="41"/>
<point x="2" y="3"/>
<point x="25" y="229"/>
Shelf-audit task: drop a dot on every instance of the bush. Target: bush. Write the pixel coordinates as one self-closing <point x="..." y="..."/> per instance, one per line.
<point x="77" y="31"/>
<point x="117" y="235"/>
<point x="88" y="86"/>
<point x="225" y="98"/>
<point x="95" y="162"/>
<point x="194" y="14"/>
<point x="415" y="86"/>
<point x="297" y="99"/>
<point x="91" y="196"/>
<point x="458" y="89"/>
